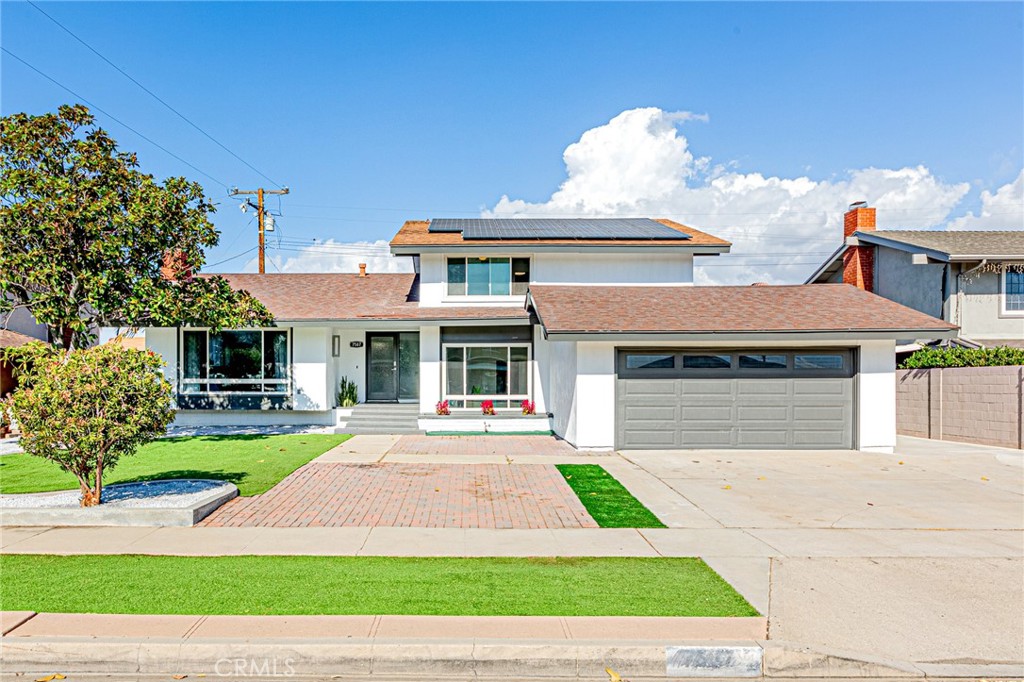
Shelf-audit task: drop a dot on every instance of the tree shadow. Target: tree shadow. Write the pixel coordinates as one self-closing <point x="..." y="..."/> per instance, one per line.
<point x="235" y="477"/>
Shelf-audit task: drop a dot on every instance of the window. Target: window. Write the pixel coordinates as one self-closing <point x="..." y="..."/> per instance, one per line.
<point x="1013" y="292"/>
<point x="817" y="361"/>
<point x="650" y="361"/>
<point x="763" y="361"/>
<point x="235" y="361"/>
<point x="483" y="276"/>
<point x="478" y="372"/>
<point x="707" y="361"/>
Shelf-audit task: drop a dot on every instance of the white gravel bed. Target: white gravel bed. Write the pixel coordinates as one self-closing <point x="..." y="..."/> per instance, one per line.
<point x="169" y="494"/>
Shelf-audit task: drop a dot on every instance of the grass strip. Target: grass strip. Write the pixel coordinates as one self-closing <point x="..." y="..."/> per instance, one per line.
<point x="607" y="500"/>
<point x="294" y="585"/>
<point x="253" y="463"/>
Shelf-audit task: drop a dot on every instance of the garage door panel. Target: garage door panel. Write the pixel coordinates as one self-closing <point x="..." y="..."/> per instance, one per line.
<point x="735" y="408"/>
<point x="710" y="438"/>
<point x="768" y="413"/>
<point x="760" y="438"/>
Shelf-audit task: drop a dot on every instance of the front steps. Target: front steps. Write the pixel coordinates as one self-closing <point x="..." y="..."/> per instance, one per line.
<point x="382" y="418"/>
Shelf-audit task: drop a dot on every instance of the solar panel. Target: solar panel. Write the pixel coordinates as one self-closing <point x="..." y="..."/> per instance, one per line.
<point x="556" y="228"/>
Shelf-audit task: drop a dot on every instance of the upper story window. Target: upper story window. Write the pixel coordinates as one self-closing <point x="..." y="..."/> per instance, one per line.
<point x="1013" y="292"/>
<point x="485" y="276"/>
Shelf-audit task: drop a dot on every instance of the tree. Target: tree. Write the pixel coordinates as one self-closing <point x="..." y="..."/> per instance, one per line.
<point x="86" y="408"/>
<point x="84" y="235"/>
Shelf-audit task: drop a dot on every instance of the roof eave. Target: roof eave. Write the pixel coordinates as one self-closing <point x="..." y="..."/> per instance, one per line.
<point x="827" y="266"/>
<point x="540" y="247"/>
<point x="759" y="335"/>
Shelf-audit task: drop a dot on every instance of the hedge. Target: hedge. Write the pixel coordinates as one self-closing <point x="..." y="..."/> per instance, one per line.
<point x="928" y="358"/>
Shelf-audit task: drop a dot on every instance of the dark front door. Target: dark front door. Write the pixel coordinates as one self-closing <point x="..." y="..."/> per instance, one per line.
<point x="382" y="368"/>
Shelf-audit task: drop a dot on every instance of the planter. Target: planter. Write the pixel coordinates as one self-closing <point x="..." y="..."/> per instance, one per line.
<point x="340" y="415"/>
<point x="474" y="422"/>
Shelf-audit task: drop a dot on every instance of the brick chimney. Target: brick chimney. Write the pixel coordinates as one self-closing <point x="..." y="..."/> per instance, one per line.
<point x="362" y="269"/>
<point x="175" y="267"/>
<point x="859" y="261"/>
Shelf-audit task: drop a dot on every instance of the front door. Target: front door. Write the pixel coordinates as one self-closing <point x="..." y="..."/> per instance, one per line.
<point x="382" y="368"/>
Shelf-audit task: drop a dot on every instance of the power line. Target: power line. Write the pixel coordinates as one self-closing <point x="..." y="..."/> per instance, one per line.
<point x="152" y="94"/>
<point x="221" y="262"/>
<point x="113" y="118"/>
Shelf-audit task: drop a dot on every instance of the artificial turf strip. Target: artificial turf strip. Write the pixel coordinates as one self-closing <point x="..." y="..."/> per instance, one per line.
<point x="253" y="463"/>
<point x="607" y="500"/>
<point x="294" y="585"/>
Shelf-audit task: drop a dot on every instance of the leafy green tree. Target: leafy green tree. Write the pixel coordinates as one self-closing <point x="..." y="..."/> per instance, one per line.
<point x="87" y="408"/>
<point x="84" y="234"/>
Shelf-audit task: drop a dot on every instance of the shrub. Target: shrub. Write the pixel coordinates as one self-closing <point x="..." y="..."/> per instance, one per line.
<point x="955" y="356"/>
<point x="348" y="393"/>
<point x="442" y="408"/>
<point x="87" y="408"/>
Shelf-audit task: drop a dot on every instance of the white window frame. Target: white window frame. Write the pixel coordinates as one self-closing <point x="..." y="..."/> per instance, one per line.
<point x="467" y="297"/>
<point x="1003" y="310"/>
<point x="183" y="380"/>
<point x="514" y="398"/>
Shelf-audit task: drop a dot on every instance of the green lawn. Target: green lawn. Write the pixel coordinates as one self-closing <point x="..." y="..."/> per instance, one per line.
<point x="288" y="585"/>
<point x="607" y="500"/>
<point x="253" y="463"/>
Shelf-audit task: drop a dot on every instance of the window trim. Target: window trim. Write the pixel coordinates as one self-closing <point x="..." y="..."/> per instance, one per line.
<point x="1003" y="310"/>
<point x="511" y="397"/>
<point x="288" y="379"/>
<point x="468" y="297"/>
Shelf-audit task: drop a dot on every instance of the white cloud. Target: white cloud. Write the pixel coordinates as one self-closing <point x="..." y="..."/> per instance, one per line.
<point x="335" y="256"/>
<point x="639" y="164"/>
<point x="1000" y="210"/>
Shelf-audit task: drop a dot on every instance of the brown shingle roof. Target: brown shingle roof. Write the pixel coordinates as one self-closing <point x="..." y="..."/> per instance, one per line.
<point x="9" y="339"/>
<point x="343" y="296"/>
<point x="958" y="243"/>
<point x="736" y="309"/>
<point x="416" y="233"/>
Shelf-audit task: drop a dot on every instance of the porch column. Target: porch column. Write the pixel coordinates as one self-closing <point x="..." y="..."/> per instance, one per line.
<point x="595" y="395"/>
<point x="430" y="368"/>
<point x="876" y="413"/>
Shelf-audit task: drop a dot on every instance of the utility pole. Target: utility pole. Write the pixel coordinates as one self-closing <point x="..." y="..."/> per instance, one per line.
<point x="260" y="213"/>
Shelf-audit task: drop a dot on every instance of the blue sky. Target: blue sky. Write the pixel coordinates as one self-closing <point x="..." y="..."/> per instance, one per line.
<point x="374" y="113"/>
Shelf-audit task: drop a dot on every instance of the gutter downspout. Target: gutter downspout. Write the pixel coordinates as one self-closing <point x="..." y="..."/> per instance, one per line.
<point x="964" y="274"/>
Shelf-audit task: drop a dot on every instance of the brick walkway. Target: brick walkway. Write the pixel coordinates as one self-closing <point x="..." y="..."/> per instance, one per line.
<point x="482" y="445"/>
<point x="417" y="495"/>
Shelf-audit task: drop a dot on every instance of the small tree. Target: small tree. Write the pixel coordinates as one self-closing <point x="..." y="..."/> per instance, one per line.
<point x="87" y="408"/>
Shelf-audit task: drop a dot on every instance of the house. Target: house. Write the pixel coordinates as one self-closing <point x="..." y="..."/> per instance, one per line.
<point x="596" y="321"/>
<point x="974" y="280"/>
<point x="17" y="328"/>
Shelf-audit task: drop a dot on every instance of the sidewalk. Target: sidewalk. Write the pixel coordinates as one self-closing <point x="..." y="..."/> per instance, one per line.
<point x="432" y="647"/>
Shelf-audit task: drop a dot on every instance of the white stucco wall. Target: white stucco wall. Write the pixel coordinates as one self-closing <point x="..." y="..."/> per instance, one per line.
<point x="561" y="386"/>
<point x="310" y="352"/>
<point x="595" y="395"/>
<point x="980" y="306"/>
<point x="164" y="342"/>
<point x="351" y="362"/>
<point x="540" y="370"/>
<point x="430" y="368"/>
<point x="876" y="397"/>
<point x="620" y="269"/>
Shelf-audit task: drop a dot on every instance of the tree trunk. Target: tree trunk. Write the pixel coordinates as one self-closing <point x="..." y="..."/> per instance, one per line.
<point x="89" y="497"/>
<point x="99" y="481"/>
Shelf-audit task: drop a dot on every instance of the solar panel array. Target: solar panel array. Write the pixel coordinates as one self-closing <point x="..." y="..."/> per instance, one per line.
<point x="556" y="228"/>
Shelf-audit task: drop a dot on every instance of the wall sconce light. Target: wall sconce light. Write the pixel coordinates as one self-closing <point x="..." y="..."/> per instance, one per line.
<point x="335" y="345"/>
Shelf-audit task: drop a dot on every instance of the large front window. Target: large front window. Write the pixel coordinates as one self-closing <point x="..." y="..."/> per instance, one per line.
<point x="483" y="276"/>
<point x="474" y="373"/>
<point x="1013" y="292"/>
<point x="235" y="361"/>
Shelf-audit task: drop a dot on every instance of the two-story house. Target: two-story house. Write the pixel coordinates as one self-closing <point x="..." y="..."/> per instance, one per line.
<point x="595" y="321"/>
<point x="973" y="279"/>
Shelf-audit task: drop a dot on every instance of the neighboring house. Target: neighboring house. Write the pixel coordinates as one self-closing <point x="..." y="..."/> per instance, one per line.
<point x="974" y="280"/>
<point x="16" y="329"/>
<point x="596" y="321"/>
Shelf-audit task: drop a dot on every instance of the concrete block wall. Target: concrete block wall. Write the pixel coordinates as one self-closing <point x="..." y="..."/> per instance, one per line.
<point x="967" y="404"/>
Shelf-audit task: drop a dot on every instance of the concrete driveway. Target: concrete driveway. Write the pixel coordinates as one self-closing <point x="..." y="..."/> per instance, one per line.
<point x="914" y="556"/>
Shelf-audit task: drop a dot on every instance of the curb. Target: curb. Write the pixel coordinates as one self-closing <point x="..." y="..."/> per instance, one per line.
<point x="448" y="659"/>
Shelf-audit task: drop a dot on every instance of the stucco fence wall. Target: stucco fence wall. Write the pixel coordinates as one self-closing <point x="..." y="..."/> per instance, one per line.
<point x="967" y="404"/>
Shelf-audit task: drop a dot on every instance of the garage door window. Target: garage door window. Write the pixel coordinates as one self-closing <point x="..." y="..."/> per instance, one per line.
<point x="637" y="361"/>
<point x="763" y="361"/>
<point x="707" y="361"/>
<point x="818" y="361"/>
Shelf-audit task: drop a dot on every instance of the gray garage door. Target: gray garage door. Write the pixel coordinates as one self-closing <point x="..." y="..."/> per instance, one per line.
<point x="734" y="399"/>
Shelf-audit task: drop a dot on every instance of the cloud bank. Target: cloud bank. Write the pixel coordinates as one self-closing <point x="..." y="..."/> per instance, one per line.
<point x="335" y="256"/>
